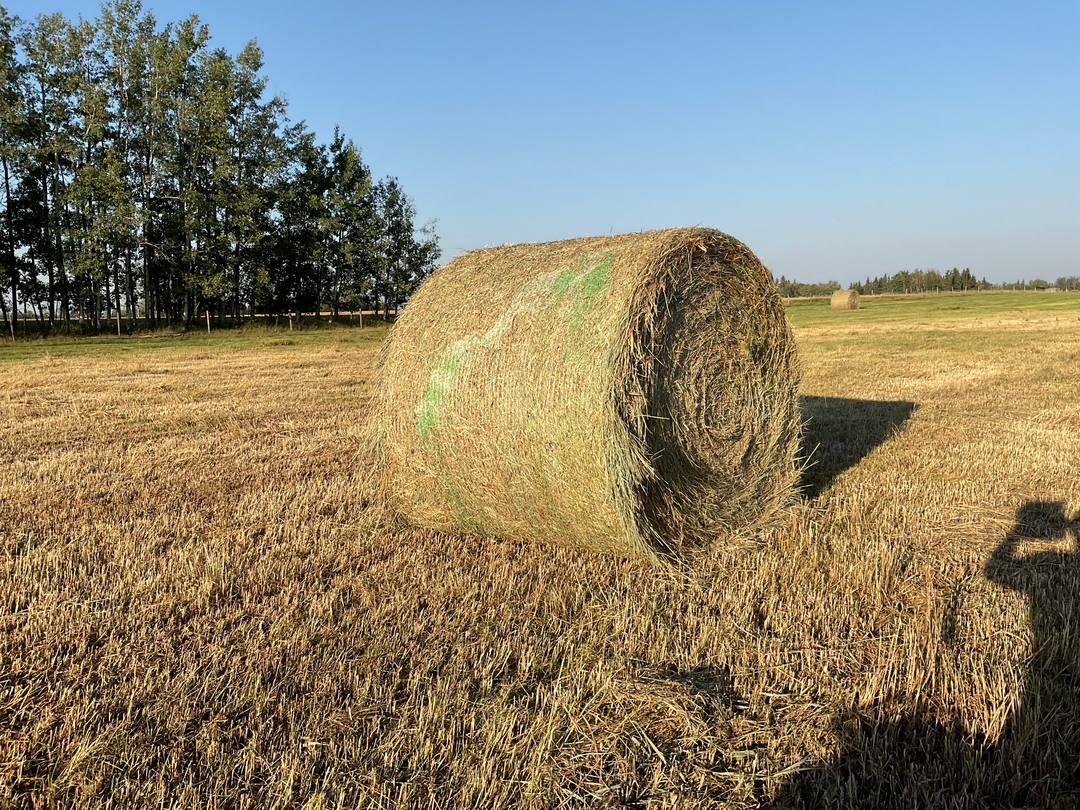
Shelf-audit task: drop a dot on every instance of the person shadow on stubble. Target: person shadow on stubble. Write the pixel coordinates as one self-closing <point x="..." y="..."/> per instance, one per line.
<point x="916" y="762"/>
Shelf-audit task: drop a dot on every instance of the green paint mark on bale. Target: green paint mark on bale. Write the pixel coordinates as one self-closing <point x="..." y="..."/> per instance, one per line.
<point x="596" y="279"/>
<point x="583" y="283"/>
<point x="564" y="280"/>
<point x="443" y="375"/>
<point x="588" y="274"/>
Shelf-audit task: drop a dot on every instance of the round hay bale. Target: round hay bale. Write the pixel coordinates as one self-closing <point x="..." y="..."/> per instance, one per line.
<point x="635" y="394"/>
<point x="845" y="299"/>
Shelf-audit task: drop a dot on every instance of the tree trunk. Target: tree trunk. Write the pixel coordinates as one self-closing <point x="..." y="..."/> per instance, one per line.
<point x="12" y="266"/>
<point x="236" y="279"/>
<point x="3" y="308"/>
<point x="58" y="232"/>
<point x="48" y="215"/>
<point x="49" y="255"/>
<point x="116" y="285"/>
<point x="148" y="288"/>
<point x="130" y="284"/>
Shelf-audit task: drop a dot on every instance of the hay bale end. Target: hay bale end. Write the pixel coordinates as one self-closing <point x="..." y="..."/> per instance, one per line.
<point x="634" y="394"/>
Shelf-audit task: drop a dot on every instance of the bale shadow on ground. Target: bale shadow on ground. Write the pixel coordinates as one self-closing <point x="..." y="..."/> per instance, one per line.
<point x="838" y="433"/>
<point x="915" y="761"/>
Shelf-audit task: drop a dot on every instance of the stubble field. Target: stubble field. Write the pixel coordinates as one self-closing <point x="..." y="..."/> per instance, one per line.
<point x="196" y="611"/>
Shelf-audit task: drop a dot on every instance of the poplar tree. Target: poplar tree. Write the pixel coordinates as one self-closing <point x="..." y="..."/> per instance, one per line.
<point x="12" y="135"/>
<point x="147" y="175"/>
<point x="349" y="224"/>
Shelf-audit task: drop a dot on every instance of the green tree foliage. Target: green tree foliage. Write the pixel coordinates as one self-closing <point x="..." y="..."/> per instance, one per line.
<point x="921" y="281"/>
<point x="793" y="289"/>
<point x="147" y="175"/>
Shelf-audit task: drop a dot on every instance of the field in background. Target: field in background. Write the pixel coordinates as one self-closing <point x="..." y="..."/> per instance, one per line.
<point x="194" y="610"/>
<point x="951" y="309"/>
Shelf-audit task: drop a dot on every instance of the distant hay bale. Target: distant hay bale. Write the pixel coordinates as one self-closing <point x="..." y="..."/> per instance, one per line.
<point x="635" y="394"/>
<point x="845" y="299"/>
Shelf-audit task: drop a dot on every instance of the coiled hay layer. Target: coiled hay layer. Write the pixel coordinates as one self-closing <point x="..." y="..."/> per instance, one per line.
<point x="845" y="299"/>
<point x="635" y="394"/>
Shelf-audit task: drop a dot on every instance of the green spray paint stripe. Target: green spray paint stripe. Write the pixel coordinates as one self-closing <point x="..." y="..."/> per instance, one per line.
<point x="590" y="280"/>
<point x="596" y="279"/>
<point x="587" y="281"/>
<point x="443" y="376"/>
<point x="589" y="285"/>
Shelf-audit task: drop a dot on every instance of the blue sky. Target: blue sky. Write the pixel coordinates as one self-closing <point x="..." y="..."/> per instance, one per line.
<point x="837" y="139"/>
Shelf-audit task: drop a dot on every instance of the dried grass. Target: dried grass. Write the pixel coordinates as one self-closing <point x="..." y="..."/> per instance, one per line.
<point x="194" y="612"/>
<point x="634" y="394"/>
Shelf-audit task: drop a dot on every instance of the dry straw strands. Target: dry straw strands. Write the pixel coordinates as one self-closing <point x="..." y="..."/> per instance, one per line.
<point x="635" y="394"/>
<point x="845" y="299"/>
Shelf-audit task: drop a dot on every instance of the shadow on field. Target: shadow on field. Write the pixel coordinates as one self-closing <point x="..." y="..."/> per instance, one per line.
<point x="840" y="432"/>
<point x="916" y="761"/>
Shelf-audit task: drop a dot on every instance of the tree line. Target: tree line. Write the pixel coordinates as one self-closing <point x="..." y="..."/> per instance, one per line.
<point x="921" y="281"/>
<point x="147" y="177"/>
<point x="917" y="281"/>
